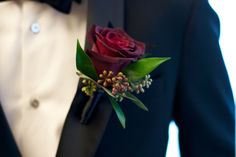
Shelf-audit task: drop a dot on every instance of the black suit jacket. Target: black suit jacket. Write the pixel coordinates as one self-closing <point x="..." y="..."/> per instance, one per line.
<point x="192" y="88"/>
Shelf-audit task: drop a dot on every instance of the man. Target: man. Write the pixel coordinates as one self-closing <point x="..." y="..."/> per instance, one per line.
<point x="41" y="109"/>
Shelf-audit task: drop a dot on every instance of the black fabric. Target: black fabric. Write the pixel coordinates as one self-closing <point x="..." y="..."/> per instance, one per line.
<point x="8" y="147"/>
<point x="61" y="5"/>
<point x="89" y="108"/>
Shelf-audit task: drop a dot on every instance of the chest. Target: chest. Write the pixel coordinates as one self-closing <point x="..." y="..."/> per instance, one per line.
<point x="37" y="71"/>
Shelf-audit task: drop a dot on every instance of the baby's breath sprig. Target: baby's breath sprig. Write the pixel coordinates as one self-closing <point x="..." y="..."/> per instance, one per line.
<point x="139" y="86"/>
<point x="147" y="81"/>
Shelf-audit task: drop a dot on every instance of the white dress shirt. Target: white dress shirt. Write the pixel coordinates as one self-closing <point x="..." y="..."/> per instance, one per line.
<point x="38" y="77"/>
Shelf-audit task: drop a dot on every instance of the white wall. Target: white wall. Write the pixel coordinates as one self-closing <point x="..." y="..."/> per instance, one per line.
<point x="226" y="9"/>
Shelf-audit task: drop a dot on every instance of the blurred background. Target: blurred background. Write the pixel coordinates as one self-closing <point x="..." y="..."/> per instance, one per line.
<point x="226" y="10"/>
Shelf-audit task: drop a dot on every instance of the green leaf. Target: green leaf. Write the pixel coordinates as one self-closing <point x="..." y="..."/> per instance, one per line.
<point x="118" y="110"/>
<point x="84" y="63"/>
<point x="143" y="67"/>
<point x="135" y="100"/>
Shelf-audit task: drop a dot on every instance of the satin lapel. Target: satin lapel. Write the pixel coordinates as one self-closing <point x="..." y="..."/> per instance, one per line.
<point x="80" y="140"/>
<point x="8" y="145"/>
<point x="101" y="12"/>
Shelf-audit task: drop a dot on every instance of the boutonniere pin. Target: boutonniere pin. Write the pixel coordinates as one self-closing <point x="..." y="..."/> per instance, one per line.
<point x="115" y="64"/>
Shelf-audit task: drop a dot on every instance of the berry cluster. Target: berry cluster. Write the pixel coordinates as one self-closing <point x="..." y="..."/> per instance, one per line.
<point x="106" y="78"/>
<point x="119" y="83"/>
<point x="89" y="87"/>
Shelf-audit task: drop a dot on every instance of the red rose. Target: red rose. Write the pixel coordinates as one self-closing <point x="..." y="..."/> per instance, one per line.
<point x="113" y="49"/>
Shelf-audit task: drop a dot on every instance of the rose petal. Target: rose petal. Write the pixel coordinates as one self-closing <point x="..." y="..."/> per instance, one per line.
<point x="112" y="48"/>
<point x="102" y="62"/>
<point x="126" y="46"/>
<point x="104" y="49"/>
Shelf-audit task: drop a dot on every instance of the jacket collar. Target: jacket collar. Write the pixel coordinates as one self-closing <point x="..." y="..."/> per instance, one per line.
<point x="8" y="145"/>
<point x="78" y="139"/>
<point x="61" y="5"/>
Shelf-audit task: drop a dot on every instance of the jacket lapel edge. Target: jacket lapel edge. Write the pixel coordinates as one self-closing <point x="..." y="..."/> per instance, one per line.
<point x="78" y="140"/>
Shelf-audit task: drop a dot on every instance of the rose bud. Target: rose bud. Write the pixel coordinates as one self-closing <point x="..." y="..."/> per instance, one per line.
<point x="112" y="49"/>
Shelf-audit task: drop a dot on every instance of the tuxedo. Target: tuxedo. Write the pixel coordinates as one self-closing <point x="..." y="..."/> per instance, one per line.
<point x="192" y="88"/>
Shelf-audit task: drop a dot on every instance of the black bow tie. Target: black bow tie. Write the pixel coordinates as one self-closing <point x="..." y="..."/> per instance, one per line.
<point x="61" y="5"/>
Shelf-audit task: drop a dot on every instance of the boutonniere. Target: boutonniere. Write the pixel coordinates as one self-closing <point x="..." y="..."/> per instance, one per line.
<point x="116" y="65"/>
